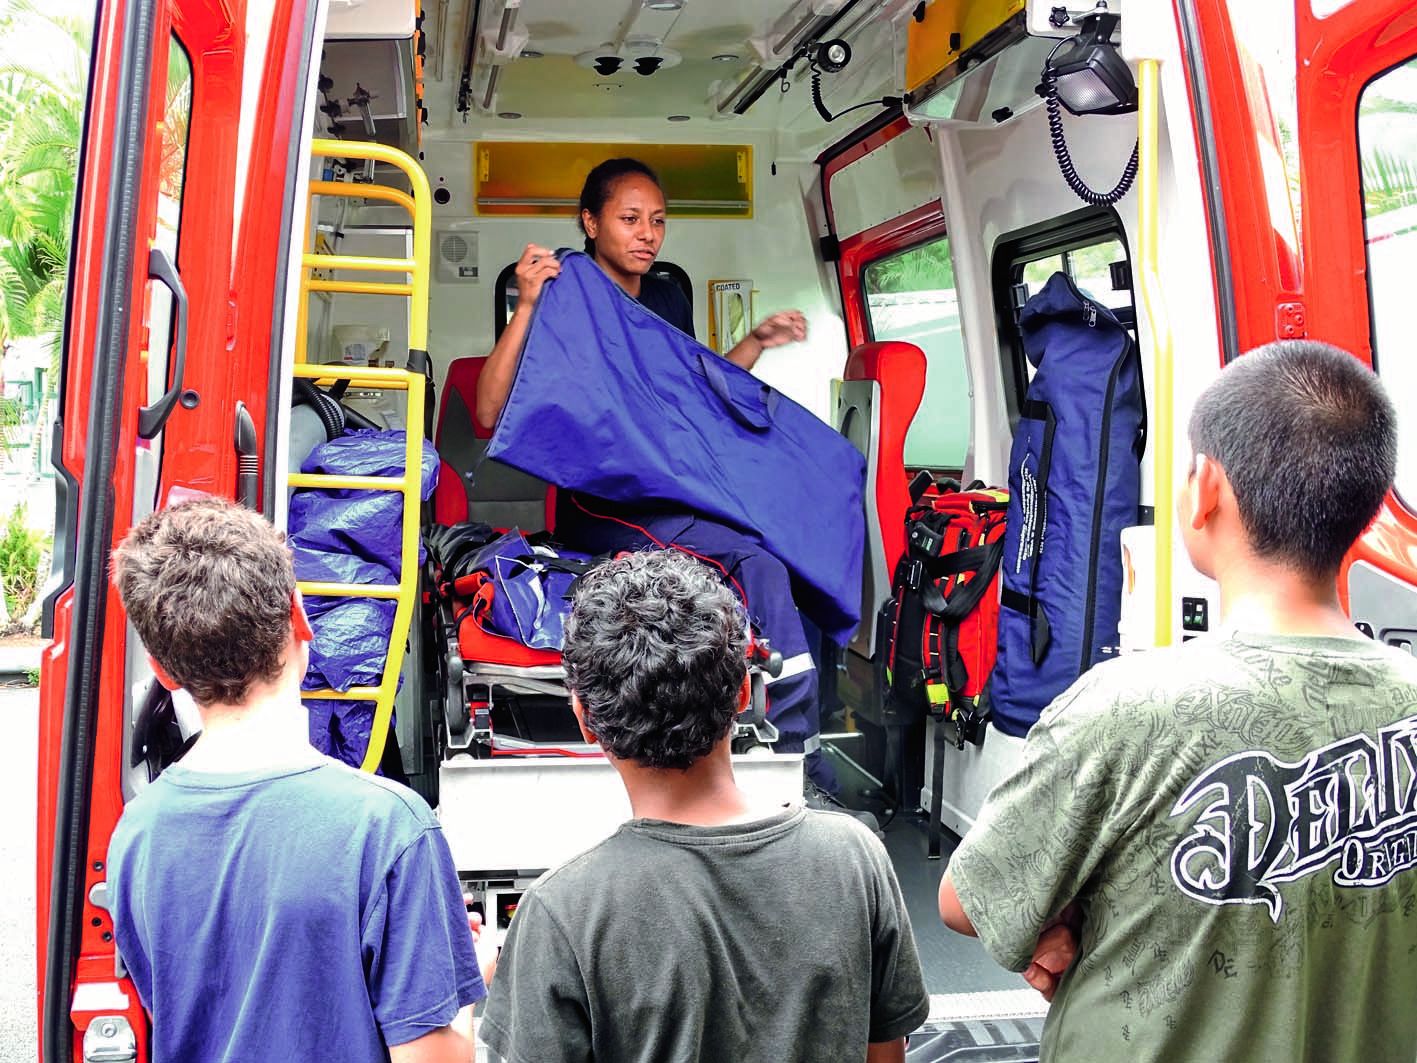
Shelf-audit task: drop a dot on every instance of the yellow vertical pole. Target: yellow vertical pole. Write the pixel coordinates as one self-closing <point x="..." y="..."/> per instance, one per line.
<point x="1162" y="415"/>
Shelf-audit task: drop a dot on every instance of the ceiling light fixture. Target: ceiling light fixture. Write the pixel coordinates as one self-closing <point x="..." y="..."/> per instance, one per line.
<point x="531" y="53"/>
<point x="678" y="117"/>
<point x="647" y="65"/>
<point x="663" y="5"/>
<point x="509" y="114"/>
<point x="607" y="65"/>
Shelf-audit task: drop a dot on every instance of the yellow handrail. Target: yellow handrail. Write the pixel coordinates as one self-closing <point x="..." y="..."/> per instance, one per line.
<point x="422" y="219"/>
<point x="1162" y="432"/>
<point x="410" y="380"/>
<point x="361" y="191"/>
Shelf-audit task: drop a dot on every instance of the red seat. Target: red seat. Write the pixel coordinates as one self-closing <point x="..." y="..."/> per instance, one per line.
<point x="502" y="496"/>
<point x="898" y="371"/>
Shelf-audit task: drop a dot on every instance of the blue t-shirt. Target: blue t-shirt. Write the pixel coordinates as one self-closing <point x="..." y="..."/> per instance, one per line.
<point x="310" y="912"/>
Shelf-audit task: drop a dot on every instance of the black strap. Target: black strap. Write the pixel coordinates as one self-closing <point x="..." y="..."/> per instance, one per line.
<point x="966" y="595"/>
<point x="937" y="786"/>
<point x="1041" y="635"/>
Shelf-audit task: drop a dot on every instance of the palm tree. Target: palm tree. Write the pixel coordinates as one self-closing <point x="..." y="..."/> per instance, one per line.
<point x="41" y="115"/>
<point x="41" y="109"/>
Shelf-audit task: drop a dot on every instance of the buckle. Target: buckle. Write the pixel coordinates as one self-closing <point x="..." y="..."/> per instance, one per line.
<point x="914" y="574"/>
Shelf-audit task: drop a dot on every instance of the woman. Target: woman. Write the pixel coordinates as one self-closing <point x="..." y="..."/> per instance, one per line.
<point x="622" y="216"/>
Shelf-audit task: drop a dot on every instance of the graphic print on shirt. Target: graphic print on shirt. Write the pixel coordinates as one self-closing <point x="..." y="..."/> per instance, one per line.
<point x="1265" y="821"/>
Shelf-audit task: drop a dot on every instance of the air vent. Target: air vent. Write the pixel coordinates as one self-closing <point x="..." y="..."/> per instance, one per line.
<point x="456" y="250"/>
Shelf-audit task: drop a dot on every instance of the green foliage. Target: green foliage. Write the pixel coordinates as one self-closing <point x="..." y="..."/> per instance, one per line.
<point x="41" y="115"/>
<point x="1389" y="181"/>
<point x="21" y="551"/>
<point x="924" y="268"/>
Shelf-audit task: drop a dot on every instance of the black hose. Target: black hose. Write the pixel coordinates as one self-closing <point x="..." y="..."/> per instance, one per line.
<point x="1065" y="159"/>
<point x="326" y="408"/>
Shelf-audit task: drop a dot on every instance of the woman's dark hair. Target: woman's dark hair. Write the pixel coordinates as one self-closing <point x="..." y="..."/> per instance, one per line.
<point x="600" y="182"/>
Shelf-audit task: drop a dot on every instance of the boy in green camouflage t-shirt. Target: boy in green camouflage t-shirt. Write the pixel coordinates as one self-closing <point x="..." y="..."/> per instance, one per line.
<point x="1235" y="818"/>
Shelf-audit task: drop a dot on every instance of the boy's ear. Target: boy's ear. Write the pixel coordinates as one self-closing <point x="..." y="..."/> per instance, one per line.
<point x="162" y="677"/>
<point x="1208" y="484"/>
<point x="299" y="622"/>
<point x="579" y="710"/>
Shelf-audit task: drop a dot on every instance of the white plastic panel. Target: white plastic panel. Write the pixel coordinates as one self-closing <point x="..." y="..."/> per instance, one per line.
<point x="371" y="19"/>
<point x="534" y="813"/>
<point x="886" y="183"/>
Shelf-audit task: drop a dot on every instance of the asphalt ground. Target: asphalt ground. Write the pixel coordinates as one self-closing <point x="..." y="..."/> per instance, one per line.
<point x="19" y="722"/>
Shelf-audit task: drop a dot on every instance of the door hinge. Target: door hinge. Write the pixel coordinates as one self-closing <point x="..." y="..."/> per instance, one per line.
<point x="1291" y="323"/>
<point x="109" y="1039"/>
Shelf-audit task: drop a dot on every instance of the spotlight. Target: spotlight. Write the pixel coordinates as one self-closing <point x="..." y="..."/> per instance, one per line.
<point x="647" y="65"/>
<point x="1088" y="75"/>
<point x="607" y="65"/>
<point x="832" y="56"/>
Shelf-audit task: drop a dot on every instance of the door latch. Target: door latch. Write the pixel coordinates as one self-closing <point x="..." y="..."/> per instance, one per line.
<point x="109" y="1039"/>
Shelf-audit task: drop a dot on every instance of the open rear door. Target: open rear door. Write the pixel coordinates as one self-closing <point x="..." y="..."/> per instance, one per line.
<point x="1357" y="107"/>
<point x="1337" y="265"/>
<point x="148" y="404"/>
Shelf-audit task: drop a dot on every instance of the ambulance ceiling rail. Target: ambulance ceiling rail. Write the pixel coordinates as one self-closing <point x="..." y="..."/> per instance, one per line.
<point x="412" y="380"/>
<point x="789" y="40"/>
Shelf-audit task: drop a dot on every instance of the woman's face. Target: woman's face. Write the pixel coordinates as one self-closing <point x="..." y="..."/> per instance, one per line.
<point x="630" y="227"/>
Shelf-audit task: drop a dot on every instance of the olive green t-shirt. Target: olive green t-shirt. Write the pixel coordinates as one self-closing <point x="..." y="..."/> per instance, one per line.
<point x="781" y="940"/>
<point x="1238" y="819"/>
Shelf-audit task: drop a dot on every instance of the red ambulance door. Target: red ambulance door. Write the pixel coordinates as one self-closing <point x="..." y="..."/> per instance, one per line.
<point x="1357" y="111"/>
<point x="147" y="404"/>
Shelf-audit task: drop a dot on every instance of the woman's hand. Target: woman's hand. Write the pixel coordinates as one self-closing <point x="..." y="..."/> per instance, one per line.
<point x="536" y="266"/>
<point x="786" y="326"/>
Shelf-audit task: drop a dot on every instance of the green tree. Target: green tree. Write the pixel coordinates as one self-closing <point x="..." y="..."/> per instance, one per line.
<point x="43" y="71"/>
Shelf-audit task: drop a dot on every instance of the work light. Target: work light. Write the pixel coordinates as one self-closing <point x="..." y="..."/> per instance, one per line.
<point x="1088" y="75"/>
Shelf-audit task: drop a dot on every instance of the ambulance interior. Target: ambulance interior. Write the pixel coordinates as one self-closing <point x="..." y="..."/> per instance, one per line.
<point x="927" y="220"/>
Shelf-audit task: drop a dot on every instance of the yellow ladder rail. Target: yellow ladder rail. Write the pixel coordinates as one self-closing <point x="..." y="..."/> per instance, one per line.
<point x="411" y="380"/>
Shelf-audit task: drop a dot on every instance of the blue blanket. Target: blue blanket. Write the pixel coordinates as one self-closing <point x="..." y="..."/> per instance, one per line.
<point x="611" y="400"/>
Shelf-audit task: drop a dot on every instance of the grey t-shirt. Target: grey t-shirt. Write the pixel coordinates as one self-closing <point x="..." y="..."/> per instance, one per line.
<point x="1238" y="818"/>
<point x="778" y="940"/>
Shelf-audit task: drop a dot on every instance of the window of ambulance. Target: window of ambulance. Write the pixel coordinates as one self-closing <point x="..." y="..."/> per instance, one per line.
<point x="1090" y="268"/>
<point x="910" y="296"/>
<point x="1387" y="144"/>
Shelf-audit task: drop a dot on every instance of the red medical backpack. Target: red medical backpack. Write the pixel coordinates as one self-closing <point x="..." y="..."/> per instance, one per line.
<point x="942" y="620"/>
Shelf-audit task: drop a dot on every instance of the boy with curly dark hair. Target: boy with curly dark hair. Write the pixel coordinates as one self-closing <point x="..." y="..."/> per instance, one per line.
<point x="704" y="928"/>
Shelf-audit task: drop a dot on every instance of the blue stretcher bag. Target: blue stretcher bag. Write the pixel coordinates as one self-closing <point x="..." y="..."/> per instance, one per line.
<point x="530" y="589"/>
<point x="1074" y="484"/>
<point x="612" y="400"/>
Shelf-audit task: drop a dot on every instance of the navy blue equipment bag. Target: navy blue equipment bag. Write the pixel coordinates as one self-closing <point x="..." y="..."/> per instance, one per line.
<point x="1074" y="484"/>
<point x="612" y="400"/>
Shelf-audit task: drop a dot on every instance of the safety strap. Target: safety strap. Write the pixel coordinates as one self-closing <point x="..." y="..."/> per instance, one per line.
<point x="1040" y="633"/>
<point x="937" y="787"/>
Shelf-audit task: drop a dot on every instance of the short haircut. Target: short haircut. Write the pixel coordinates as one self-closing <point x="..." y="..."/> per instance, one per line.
<point x="1308" y="439"/>
<point x="208" y="586"/>
<point x="656" y="651"/>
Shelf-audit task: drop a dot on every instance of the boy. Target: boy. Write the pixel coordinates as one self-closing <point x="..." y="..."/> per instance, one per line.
<point x="269" y="902"/>
<point x="1235" y="816"/>
<point x="704" y="929"/>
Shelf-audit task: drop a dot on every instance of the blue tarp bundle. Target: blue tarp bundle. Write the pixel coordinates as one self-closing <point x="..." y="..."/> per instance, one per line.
<point x="611" y="400"/>
<point x="350" y="537"/>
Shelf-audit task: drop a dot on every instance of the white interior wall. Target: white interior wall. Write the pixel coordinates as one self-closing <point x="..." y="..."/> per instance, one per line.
<point x="1001" y="179"/>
